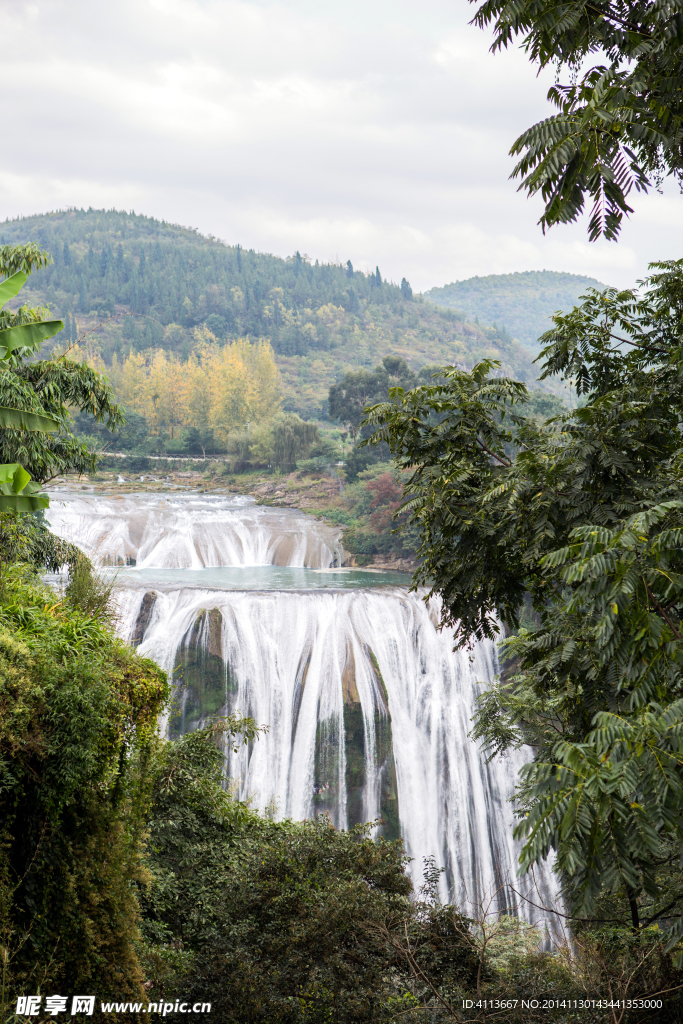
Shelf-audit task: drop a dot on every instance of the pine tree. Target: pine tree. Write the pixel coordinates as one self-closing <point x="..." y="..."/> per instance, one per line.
<point x="105" y="258"/>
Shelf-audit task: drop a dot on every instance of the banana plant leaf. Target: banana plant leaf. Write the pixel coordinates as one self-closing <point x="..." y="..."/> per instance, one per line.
<point x="22" y="502"/>
<point x="18" y="492"/>
<point x="14" y="476"/>
<point x="12" y="286"/>
<point x="28" y="335"/>
<point x="18" y="419"/>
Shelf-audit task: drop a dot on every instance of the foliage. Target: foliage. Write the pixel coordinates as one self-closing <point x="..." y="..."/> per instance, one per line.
<point x="55" y="388"/>
<point x="21" y="334"/>
<point x="377" y="526"/>
<point x="521" y="303"/>
<point x="358" y="389"/>
<point x="160" y="282"/>
<point x="583" y="515"/>
<point x="620" y="119"/>
<point x="37" y="396"/>
<point x="283" y="442"/>
<point x="26" y="538"/>
<point x="77" y="710"/>
<point x="217" y="388"/>
<point x="275" y="921"/>
<point x="293" y="922"/>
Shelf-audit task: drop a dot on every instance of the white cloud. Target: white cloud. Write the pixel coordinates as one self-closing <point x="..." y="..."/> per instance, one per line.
<point x="377" y="131"/>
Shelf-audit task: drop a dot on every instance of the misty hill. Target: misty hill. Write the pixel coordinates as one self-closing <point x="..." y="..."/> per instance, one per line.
<point x="321" y="319"/>
<point x="522" y="303"/>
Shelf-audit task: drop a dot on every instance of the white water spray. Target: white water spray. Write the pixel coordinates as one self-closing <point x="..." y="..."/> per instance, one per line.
<point x="317" y="665"/>
<point x="368" y="706"/>
<point x="192" y="531"/>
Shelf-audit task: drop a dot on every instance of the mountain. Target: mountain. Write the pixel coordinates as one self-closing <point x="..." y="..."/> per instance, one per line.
<point x="521" y="303"/>
<point x="321" y="319"/>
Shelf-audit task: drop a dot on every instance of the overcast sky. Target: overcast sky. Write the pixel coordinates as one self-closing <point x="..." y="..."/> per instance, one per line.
<point x="353" y="129"/>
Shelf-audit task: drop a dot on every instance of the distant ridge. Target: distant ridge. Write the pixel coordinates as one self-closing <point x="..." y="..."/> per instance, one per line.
<point x="522" y="303"/>
<point x="321" y="318"/>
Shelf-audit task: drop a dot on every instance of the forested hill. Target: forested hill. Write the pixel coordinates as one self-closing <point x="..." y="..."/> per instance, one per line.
<point x="522" y="303"/>
<point x="320" y="318"/>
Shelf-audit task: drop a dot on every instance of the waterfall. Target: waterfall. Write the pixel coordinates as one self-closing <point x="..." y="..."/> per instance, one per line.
<point x="368" y="710"/>
<point x="192" y="531"/>
<point x="367" y="704"/>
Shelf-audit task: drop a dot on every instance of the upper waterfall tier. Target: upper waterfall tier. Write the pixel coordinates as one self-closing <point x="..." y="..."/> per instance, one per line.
<point x="192" y="531"/>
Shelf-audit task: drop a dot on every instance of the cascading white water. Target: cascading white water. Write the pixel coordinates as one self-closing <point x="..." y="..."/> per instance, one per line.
<point x="368" y="706"/>
<point x="306" y="664"/>
<point x="192" y="531"/>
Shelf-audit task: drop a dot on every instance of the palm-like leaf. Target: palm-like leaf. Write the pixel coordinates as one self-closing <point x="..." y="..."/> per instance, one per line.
<point x="17" y="492"/>
<point x="19" y="419"/>
<point x="621" y="123"/>
<point x="28" y="336"/>
<point x="12" y="286"/>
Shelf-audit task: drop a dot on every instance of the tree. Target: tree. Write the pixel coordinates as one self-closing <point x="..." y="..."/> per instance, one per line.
<point x="20" y="333"/>
<point x="580" y="516"/>
<point x="40" y="394"/>
<point x="620" y="120"/>
<point x="360" y="388"/>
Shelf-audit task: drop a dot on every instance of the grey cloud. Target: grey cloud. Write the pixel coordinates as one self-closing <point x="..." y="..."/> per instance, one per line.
<point x="377" y="131"/>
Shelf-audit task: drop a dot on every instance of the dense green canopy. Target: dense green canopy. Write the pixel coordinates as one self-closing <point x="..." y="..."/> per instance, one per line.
<point x="620" y="123"/>
<point x="581" y="516"/>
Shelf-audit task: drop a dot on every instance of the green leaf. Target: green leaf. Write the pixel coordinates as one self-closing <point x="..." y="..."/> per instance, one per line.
<point x="28" y="336"/>
<point x="19" y="419"/>
<point x="17" y="491"/>
<point x="7" y="472"/>
<point x="21" y="480"/>
<point x="23" y="502"/>
<point x="14" y="476"/>
<point x="12" y="286"/>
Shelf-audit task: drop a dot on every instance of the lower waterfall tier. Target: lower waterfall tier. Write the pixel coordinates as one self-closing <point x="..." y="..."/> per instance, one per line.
<point x="368" y="709"/>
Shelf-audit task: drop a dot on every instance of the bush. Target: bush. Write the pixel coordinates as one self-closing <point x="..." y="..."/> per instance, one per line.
<point x="75" y="705"/>
<point x="283" y="441"/>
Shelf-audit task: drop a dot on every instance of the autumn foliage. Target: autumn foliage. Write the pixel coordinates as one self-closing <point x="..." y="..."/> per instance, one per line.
<point x="218" y="386"/>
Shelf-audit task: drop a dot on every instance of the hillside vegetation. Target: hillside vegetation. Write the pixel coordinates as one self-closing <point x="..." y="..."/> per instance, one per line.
<point x="321" y="319"/>
<point x="520" y="304"/>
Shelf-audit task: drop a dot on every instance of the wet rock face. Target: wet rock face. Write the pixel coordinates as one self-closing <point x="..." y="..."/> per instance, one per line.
<point x="144" y="616"/>
<point x="368" y="750"/>
<point x="202" y="678"/>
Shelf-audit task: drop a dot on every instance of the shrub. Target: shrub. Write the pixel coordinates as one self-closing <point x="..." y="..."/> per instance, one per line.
<point x="75" y="705"/>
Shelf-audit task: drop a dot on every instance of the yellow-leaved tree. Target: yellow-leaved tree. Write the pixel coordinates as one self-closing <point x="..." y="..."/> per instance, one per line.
<point x="222" y="387"/>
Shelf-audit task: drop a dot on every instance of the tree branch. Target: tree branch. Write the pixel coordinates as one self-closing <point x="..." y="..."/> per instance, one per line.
<point x="662" y="612"/>
<point x="499" y="458"/>
<point x="637" y="344"/>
